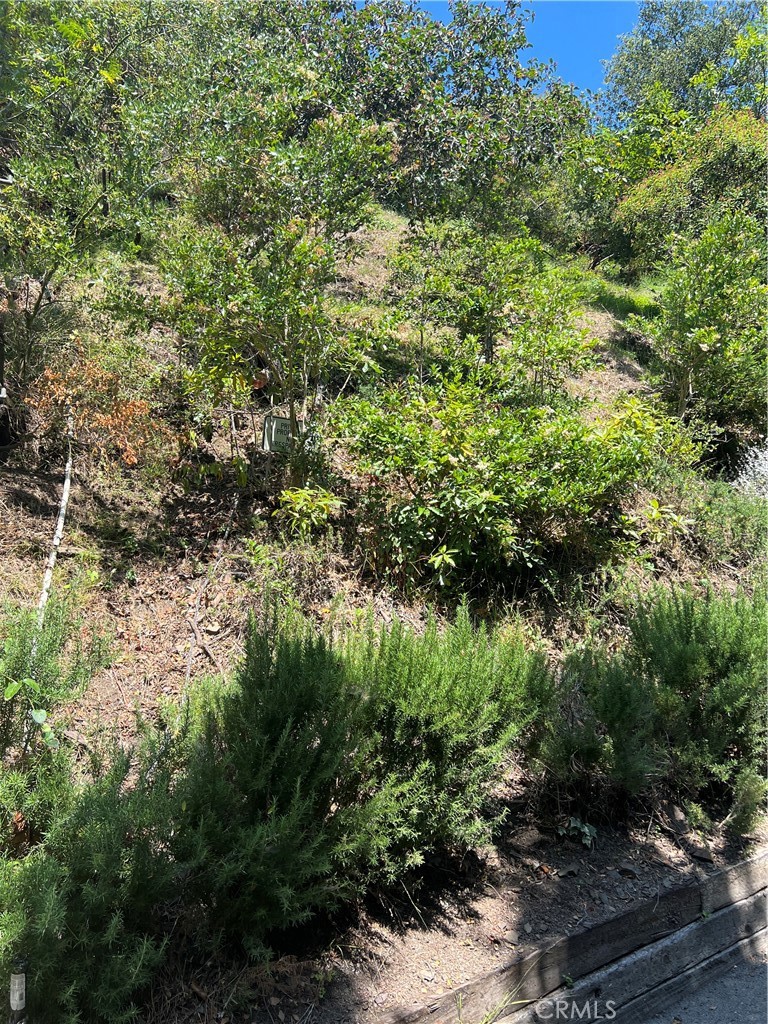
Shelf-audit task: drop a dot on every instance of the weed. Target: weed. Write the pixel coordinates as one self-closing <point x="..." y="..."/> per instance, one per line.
<point x="578" y="829"/>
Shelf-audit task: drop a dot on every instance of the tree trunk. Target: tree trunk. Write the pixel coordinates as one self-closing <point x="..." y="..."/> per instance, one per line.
<point x="488" y="346"/>
<point x="683" y="393"/>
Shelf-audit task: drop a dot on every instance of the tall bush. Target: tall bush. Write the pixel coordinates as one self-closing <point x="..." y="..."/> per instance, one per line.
<point x="463" y="484"/>
<point x="446" y="709"/>
<point x="329" y="765"/>
<point x="269" y="810"/>
<point x="84" y="907"/>
<point x="705" y="657"/>
<point x="711" y="335"/>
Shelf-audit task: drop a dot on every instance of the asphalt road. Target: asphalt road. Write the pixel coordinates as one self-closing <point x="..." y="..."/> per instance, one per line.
<point x="739" y="996"/>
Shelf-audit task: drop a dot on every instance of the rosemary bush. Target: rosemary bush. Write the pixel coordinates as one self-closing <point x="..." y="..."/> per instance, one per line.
<point x="683" y="706"/>
<point x="332" y="764"/>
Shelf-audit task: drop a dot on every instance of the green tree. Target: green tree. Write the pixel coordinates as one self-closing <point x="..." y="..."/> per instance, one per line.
<point x="78" y="171"/>
<point x="672" y="43"/>
<point x="711" y="335"/>
<point x="721" y="166"/>
<point x="470" y="117"/>
<point x="255" y="321"/>
<point x="739" y="80"/>
<point x="604" y="164"/>
<point x="453" y="274"/>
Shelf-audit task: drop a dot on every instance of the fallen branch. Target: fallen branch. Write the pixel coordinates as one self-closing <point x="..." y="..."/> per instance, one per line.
<point x="59" y="531"/>
<point x="204" y="648"/>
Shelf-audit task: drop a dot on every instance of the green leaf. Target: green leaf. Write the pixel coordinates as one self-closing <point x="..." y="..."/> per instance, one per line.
<point x="50" y="738"/>
<point x="11" y="690"/>
<point x="39" y="715"/>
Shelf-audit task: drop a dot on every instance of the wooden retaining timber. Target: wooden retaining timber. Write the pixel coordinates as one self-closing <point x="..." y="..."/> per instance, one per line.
<point x="642" y="1008"/>
<point x="629" y="980"/>
<point x="659" y="944"/>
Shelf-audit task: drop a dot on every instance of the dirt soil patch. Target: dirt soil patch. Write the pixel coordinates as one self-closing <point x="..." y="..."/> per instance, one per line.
<point x="166" y="578"/>
<point x="617" y="372"/>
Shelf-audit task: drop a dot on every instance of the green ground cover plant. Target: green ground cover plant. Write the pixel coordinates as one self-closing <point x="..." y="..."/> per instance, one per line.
<point x="325" y="767"/>
<point x="40" y="669"/>
<point x="335" y="761"/>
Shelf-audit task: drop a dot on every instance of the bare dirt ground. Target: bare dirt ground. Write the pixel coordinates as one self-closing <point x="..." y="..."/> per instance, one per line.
<point x="367" y="274"/>
<point x="167" y="580"/>
<point x="617" y="373"/>
<point x="532" y="888"/>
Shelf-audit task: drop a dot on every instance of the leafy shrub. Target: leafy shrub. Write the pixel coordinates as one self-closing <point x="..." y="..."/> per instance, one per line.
<point x="544" y="346"/>
<point x="83" y="905"/>
<point x="602" y="164"/>
<point x="710" y="337"/>
<point x="720" y="168"/>
<point x="683" y="705"/>
<point x="304" y="509"/>
<point x="461" y="485"/>
<point x="472" y="281"/>
<point x="59" y="659"/>
<point x="106" y="415"/>
<point x="258" y="320"/>
<point x="330" y="764"/>
<point x="39" y="670"/>
<point x="496" y="291"/>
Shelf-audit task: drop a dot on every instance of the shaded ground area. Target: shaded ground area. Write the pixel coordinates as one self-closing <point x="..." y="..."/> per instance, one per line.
<point x="739" y="996"/>
<point x="468" y="918"/>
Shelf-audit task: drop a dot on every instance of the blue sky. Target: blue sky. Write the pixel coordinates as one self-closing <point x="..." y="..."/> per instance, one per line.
<point x="576" y="34"/>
